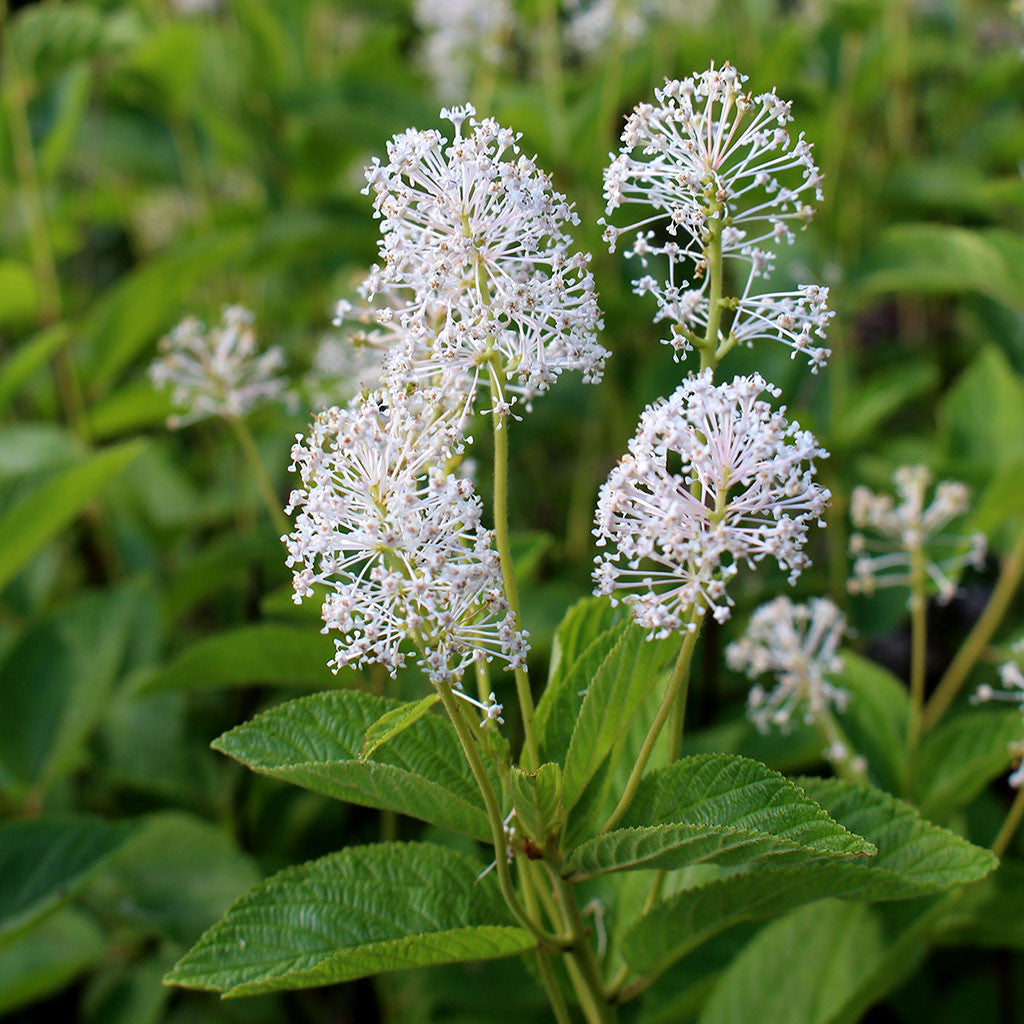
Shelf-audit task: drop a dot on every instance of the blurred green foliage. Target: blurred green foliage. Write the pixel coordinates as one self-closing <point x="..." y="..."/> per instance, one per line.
<point x="155" y="163"/>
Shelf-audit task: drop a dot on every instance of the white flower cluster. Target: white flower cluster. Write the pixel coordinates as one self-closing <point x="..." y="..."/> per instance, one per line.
<point x="907" y="527"/>
<point x="1012" y="679"/>
<point x="477" y="263"/>
<point x="720" y="180"/>
<point x="217" y="372"/>
<point x="459" y="35"/>
<point x="798" y="645"/>
<point x="397" y="542"/>
<point x="713" y="478"/>
<point x="594" y="25"/>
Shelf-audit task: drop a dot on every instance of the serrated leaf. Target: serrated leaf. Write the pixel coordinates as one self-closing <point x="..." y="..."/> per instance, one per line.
<point x="720" y="809"/>
<point x="584" y="622"/>
<point x="362" y="911"/>
<point x="267" y="652"/>
<point x="915" y="858"/>
<point x="44" y="861"/>
<point x="574" y="666"/>
<point x="537" y="798"/>
<point x="990" y="913"/>
<point x="613" y="695"/>
<point x="315" y="742"/>
<point x="960" y="757"/>
<point x="393" y="722"/>
<point x="38" y="517"/>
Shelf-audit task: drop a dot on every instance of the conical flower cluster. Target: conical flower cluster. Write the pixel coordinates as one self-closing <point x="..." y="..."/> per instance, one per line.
<point x="895" y="531"/>
<point x="720" y="184"/>
<point x="217" y="372"/>
<point x="797" y="644"/>
<point x="394" y="543"/>
<point x="744" y="490"/>
<point x="478" y="264"/>
<point x="1011" y="679"/>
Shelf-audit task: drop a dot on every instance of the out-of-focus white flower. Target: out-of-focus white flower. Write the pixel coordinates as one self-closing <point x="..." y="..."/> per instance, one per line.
<point x="718" y="177"/>
<point x="190" y="7"/>
<point x="1012" y="679"/>
<point x="798" y="645"/>
<point x="905" y="528"/>
<point x="477" y="262"/>
<point x="217" y="372"/>
<point x="593" y="26"/>
<point x="459" y="35"/>
<point x="343" y="368"/>
<point x="713" y="478"/>
<point x="397" y="542"/>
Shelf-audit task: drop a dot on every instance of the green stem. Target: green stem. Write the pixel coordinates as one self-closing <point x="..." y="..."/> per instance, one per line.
<point x="674" y="697"/>
<point x="918" y="648"/>
<point x="582" y="964"/>
<point x="848" y="768"/>
<point x="979" y="637"/>
<point x="476" y="765"/>
<point x="709" y="354"/>
<point x="526" y="709"/>
<point x="252" y="457"/>
<point x="1010" y="825"/>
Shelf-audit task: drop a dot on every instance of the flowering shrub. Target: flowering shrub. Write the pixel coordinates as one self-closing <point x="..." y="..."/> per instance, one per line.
<point x="649" y="646"/>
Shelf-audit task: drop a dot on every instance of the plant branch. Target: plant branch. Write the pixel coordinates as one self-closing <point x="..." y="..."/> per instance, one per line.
<point x="259" y="471"/>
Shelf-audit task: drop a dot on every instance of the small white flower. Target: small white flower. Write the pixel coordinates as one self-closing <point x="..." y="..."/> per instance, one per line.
<point x="1012" y="679"/>
<point x="459" y="35"/>
<point x="712" y="161"/>
<point x="477" y="262"/>
<point x="217" y="372"/>
<point x="744" y="489"/>
<point x="396" y="541"/>
<point x="902" y="529"/>
<point x="797" y="645"/>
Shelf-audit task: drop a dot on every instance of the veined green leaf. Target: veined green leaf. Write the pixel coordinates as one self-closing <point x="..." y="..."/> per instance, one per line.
<point x="613" y="695"/>
<point x="582" y="642"/>
<point x="26" y="527"/>
<point x="267" y="652"/>
<point x="537" y="797"/>
<point x="721" y="809"/>
<point x="991" y="913"/>
<point x="315" y="742"/>
<point x="960" y="757"/>
<point x="392" y="722"/>
<point x="44" y="861"/>
<point x="915" y="858"/>
<point x="362" y="911"/>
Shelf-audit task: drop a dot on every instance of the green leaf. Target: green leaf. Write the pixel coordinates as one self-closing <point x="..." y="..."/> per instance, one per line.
<point x="613" y="695"/>
<point x="874" y="401"/>
<point x="263" y="653"/>
<point x="19" y="294"/>
<point x="37" y="518"/>
<point x="941" y="258"/>
<point x="982" y="418"/>
<point x="721" y="809"/>
<point x="175" y="876"/>
<point x="990" y="913"/>
<point x="57" y="681"/>
<point x="875" y="721"/>
<point x="44" y="861"/>
<point x="961" y="757"/>
<point x="362" y="911"/>
<point x="48" y="958"/>
<point x="28" y="359"/>
<point x="915" y="858"/>
<point x="537" y="798"/>
<point x="315" y="742"/>
<point x="802" y="969"/>
<point x="392" y="722"/>
<point x="582" y="641"/>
